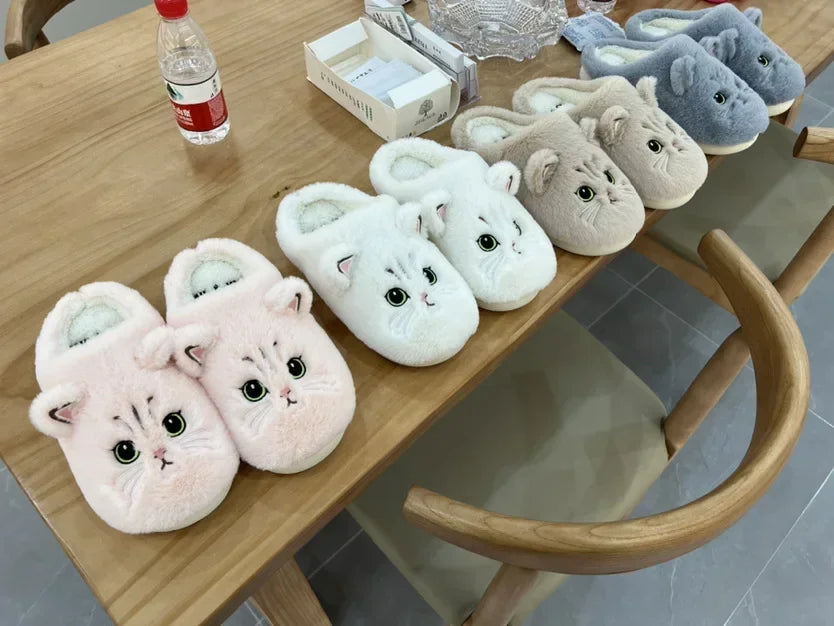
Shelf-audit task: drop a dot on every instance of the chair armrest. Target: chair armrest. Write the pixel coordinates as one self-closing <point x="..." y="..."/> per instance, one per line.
<point x="815" y="144"/>
<point x="783" y="387"/>
<point x="24" y="22"/>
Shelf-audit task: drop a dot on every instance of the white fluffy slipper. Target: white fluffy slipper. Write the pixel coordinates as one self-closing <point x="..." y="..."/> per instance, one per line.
<point x="369" y="260"/>
<point x="247" y="333"/>
<point x="473" y="216"/>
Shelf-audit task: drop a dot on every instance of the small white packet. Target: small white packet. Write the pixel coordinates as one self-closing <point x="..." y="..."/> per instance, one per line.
<point x="591" y="27"/>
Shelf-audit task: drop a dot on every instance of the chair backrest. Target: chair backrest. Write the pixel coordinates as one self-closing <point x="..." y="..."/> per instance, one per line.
<point x="783" y="387"/>
<point x="815" y="144"/>
<point x="24" y="24"/>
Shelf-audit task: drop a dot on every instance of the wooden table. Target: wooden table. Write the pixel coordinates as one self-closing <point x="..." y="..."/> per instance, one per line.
<point x="97" y="184"/>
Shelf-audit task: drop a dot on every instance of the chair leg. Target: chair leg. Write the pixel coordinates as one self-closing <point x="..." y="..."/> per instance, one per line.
<point x="807" y="263"/>
<point x="684" y="269"/>
<point x="788" y="118"/>
<point x="502" y="597"/>
<point x="286" y="599"/>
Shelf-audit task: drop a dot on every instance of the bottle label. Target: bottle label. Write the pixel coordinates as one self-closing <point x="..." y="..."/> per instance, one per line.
<point x="198" y="107"/>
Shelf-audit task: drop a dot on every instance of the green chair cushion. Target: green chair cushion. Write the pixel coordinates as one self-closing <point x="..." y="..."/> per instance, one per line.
<point x="562" y="431"/>
<point x="765" y="199"/>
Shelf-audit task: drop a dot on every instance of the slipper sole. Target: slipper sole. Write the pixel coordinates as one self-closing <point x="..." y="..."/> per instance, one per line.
<point x="778" y="109"/>
<point x="724" y="150"/>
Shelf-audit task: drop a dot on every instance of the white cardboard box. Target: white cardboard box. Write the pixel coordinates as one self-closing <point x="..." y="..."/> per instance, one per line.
<point x="419" y="105"/>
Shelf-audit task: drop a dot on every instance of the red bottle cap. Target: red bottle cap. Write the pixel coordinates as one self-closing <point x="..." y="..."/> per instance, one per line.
<point x="172" y="9"/>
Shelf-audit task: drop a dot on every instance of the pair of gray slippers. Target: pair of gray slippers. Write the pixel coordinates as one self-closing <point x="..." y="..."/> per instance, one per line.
<point x="718" y="75"/>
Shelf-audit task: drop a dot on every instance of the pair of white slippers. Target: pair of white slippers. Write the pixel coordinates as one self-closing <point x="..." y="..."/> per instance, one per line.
<point x="153" y="417"/>
<point x="407" y="279"/>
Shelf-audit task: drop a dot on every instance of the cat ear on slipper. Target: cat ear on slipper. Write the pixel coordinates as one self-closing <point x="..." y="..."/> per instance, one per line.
<point x="487" y="235"/>
<point x="142" y="439"/>
<point x="368" y="258"/>
<point x="247" y="334"/>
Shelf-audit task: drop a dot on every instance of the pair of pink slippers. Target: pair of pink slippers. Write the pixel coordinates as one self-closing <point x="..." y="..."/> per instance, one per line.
<point x="153" y="417"/>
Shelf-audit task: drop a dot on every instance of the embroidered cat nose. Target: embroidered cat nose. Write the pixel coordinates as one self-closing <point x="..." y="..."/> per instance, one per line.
<point x="516" y="249"/>
<point x="159" y="452"/>
<point x="285" y="392"/>
<point x="424" y="297"/>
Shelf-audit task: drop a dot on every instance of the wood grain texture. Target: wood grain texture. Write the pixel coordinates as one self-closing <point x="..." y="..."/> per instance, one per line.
<point x="286" y="599"/>
<point x="502" y="597"/>
<point x="24" y="23"/>
<point x="782" y="392"/>
<point x="815" y="144"/>
<point x="98" y="185"/>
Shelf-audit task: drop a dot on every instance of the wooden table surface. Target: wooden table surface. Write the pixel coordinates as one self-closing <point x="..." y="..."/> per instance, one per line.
<point x="97" y="184"/>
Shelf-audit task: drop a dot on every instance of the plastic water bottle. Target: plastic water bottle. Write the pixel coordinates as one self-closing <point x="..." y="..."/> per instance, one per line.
<point x="190" y="73"/>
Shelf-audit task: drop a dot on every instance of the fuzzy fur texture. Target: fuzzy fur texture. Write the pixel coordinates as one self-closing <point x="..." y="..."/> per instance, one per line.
<point x="734" y="38"/>
<point x="713" y="105"/>
<point x="473" y="216"/>
<point x="280" y="383"/>
<point x="663" y="163"/>
<point x="142" y="439"/>
<point x="567" y="181"/>
<point x="369" y="260"/>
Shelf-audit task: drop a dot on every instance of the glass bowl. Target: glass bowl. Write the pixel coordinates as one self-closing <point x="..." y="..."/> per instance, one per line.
<point x="507" y="28"/>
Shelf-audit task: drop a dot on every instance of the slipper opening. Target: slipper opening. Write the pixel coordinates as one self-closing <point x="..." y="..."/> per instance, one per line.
<point x="665" y="26"/>
<point x="92" y="319"/>
<point x="213" y="275"/>
<point x="487" y="130"/>
<point x="550" y="99"/>
<point x="620" y="55"/>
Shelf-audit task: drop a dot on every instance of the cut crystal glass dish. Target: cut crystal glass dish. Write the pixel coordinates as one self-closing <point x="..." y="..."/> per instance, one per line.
<point x="517" y="29"/>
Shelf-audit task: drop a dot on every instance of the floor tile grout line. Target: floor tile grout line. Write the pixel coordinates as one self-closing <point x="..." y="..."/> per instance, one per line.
<point x="608" y="310"/>
<point x="781" y="543"/>
<point x="671" y="312"/>
<point x="646" y="277"/>
<point x="334" y="555"/>
<point x="827" y="118"/>
<point x="820" y="417"/>
<point x="633" y="283"/>
<point x="258" y="617"/>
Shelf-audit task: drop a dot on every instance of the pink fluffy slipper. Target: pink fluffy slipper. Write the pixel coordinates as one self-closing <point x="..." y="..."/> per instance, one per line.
<point x="143" y="440"/>
<point x="280" y="383"/>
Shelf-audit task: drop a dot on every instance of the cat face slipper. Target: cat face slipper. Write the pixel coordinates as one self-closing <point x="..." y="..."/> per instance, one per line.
<point x="713" y="105"/>
<point x="472" y="215"/>
<point x="734" y="38"/>
<point x="663" y="163"/>
<point x="142" y="439"/>
<point x="279" y="382"/>
<point x="583" y="201"/>
<point x="369" y="260"/>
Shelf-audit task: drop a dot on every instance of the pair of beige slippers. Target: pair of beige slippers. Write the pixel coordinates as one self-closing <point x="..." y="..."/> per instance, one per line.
<point x="593" y="154"/>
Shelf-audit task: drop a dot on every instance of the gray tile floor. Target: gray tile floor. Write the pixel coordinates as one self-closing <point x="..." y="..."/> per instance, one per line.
<point x="774" y="568"/>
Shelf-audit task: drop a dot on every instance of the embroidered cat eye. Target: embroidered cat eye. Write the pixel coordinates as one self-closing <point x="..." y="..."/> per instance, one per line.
<point x="719" y="97"/>
<point x="125" y="452"/>
<point x="517" y="227"/>
<point x="396" y="297"/>
<point x="296" y="367"/>
<point x="253" y="390"/>
<point x="763" y="60"/>
<point x="487" y="243"/>
<point x="655" y="146"/>
<point x="430" y="275"/>
<point x="174" y="424"/>
<point x="609" y="177"/>
<point x="585" y="193"/>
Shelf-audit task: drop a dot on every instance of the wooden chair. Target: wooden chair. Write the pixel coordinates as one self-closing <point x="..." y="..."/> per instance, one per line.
<point x="563" y="431"/>
<point x="25" y="22"/>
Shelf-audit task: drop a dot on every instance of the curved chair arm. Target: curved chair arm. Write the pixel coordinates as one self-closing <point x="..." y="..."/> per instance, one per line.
<point x="782" y="388"/>
<point x="24" y="22"/>
<point x="815" y="144"/>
